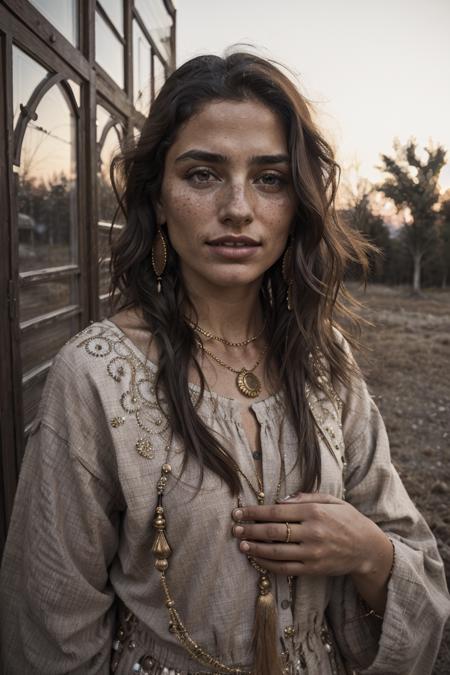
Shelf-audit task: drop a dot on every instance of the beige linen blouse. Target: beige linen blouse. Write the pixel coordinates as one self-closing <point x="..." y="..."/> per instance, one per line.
<point x="81" y="533"/>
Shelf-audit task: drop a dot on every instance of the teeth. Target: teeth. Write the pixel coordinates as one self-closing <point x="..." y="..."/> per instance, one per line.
<point x="233" y="244"/>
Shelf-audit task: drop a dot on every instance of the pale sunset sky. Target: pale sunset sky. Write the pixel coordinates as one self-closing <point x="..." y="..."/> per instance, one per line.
<point x="374" y="70"/>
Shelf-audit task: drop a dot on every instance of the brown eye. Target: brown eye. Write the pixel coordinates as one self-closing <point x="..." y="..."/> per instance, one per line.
<point x="272" y="181"/>
<point x="200" y="176"/>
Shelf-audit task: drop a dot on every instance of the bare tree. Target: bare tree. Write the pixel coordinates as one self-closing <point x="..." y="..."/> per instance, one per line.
<point x="413" y="184"/>
<point x="359" y="214"/>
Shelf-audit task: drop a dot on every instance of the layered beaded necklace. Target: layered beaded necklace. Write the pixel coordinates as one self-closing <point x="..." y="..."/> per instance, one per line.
<point x="265" y="604"/>
<point x="223" y="340"/>
<point x="247" y="382"/>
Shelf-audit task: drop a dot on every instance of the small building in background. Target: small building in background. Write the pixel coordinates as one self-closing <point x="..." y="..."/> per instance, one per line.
<point x="77" y="78"/>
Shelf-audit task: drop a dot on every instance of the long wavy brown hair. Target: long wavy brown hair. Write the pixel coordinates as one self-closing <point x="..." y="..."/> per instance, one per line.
<point x="322" y="248"/>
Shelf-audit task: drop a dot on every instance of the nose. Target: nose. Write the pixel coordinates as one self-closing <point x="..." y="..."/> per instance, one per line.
<point x="235" y="207"/>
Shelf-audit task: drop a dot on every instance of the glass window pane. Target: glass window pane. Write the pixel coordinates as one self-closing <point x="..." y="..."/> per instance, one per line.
<point x="104" y="230"/>
<point x="159" y="74"/>
<point x="142" y="76"/>
<point x="46" y="187"/>
<point x="158" y="22"/>
<point x="76" y="91"/>
<point x="107" y="201"/>
<point x="107" y="204"/>
<point x="62" y="14"/>
<point x="27" y="75"/>
<point x="104" y="276"/>
<point x="46" y="296"/>
<point x="102" y="119"/>
<point x="108" y="50"/>
<point x="40" y="344"/>
<point x="105" y="309"/>
<point x="114" y="10"/>
<point x="104" y="253"/>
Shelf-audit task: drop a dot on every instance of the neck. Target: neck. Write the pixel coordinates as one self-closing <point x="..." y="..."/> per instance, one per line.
<point x="233" y="314"/>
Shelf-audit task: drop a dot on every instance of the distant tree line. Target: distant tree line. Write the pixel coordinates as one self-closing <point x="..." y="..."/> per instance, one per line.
<point x="418" y="251"/>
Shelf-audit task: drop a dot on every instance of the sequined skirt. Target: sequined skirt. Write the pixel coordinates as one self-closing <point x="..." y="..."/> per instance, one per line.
<point x="136" y="651"/>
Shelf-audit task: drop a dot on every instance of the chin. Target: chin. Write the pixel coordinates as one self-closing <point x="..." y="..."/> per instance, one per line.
<point x="235" y="280"/>
<point x="222" y="276"/>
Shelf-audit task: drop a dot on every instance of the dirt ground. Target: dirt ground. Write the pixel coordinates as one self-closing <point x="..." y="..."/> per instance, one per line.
<point x="407" y="366"/>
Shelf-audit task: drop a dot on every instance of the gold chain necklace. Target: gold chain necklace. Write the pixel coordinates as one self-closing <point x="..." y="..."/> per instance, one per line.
<point x="259" y="493"/>
<point x="211" y="336"/>
<point x="162" y="551"/>
<point x="247" y="382"/>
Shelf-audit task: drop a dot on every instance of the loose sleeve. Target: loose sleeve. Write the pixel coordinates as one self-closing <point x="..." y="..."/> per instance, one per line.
<point x="56" y="604"/>
<point x="408" y="639"/>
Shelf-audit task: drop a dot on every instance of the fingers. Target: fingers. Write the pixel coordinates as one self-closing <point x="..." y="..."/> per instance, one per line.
<point x="297" y="509"/>
<point x="285" y="568"/>
<point x="276" y="513"/>
<point x="311" y="498"/>
<point x="274" y="551"/>
<point x="291" y="567"/>
<point x="269" y="532"/>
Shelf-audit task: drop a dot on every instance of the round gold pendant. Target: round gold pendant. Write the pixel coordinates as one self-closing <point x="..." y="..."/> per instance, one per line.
<point x="248" y="383"/>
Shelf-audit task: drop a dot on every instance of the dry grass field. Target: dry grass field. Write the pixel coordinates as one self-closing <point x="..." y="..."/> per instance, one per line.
<point x="407" y="366"/>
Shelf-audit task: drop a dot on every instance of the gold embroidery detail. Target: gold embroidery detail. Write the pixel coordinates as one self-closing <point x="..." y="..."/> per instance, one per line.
<point x="145" y="448"/>
<point x="138" y="397"/>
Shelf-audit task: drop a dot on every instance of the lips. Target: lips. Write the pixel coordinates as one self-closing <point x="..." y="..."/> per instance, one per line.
<point x="233" y="242"/>
<point x="234" y="248"/>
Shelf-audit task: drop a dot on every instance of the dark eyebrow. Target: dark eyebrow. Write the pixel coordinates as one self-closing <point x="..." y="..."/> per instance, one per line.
<point x="270" y="159"/>
<point x="203" y="156"/>
<point x="215" y="158"/>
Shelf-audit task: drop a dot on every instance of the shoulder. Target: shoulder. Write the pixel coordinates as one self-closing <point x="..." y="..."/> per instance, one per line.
<point x="342" y="343"/>
<point x="101" y="381"/>
<point x="327" y="385"/>
<point x="347" y="393"/>
<point x="91" y="345"/>
<point x="94" y="354"/>
<point x="88" y="371"/>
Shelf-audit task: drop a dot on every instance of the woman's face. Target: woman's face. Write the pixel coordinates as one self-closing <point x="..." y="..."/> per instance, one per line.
<point x="226" y="194"/>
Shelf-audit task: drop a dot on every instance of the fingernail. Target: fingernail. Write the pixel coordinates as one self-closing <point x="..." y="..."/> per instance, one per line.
<point x="238" y="530"/>
<point x="237" y="514"/>
<point x="244" y="546"/>
<point x="297" y="495"/>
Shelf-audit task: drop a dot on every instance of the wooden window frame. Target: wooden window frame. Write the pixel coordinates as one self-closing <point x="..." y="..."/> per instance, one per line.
<point x="23" y="25"/>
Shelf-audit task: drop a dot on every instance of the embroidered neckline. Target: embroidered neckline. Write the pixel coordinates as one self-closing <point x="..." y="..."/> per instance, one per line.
<point x="125" y="360"/>
<point x="221" y="398"/>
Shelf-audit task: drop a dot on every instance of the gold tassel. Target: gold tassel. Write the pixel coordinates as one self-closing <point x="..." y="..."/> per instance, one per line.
<point x="161" y="548"/>
<point x="265" y="632"/>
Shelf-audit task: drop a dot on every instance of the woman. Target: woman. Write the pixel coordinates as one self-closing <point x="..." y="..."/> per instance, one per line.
<point x="153" y="530"/>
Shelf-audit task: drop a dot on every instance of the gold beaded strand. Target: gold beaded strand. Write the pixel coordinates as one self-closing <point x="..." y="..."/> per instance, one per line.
<point x="162" y="551"/>
<point x="223" y="340"/>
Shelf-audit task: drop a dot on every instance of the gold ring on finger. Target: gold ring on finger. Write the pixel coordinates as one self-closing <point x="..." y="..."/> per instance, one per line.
<point x="288" y="534"/>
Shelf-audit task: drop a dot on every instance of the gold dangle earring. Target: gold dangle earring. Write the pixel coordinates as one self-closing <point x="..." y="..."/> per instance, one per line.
<point x="159" y="257"/>
<point x="286" y="271"/>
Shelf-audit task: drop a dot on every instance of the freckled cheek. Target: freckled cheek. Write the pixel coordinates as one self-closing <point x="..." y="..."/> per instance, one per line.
<point x="278" y="219"/>
<point x="188" y="219"/>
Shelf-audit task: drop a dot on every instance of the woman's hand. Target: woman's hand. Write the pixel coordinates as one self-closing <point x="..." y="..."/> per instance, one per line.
<point x="327" y="537"/>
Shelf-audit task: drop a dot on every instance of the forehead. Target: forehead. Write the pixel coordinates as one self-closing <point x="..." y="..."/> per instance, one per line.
<point x="229" y="126"/>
